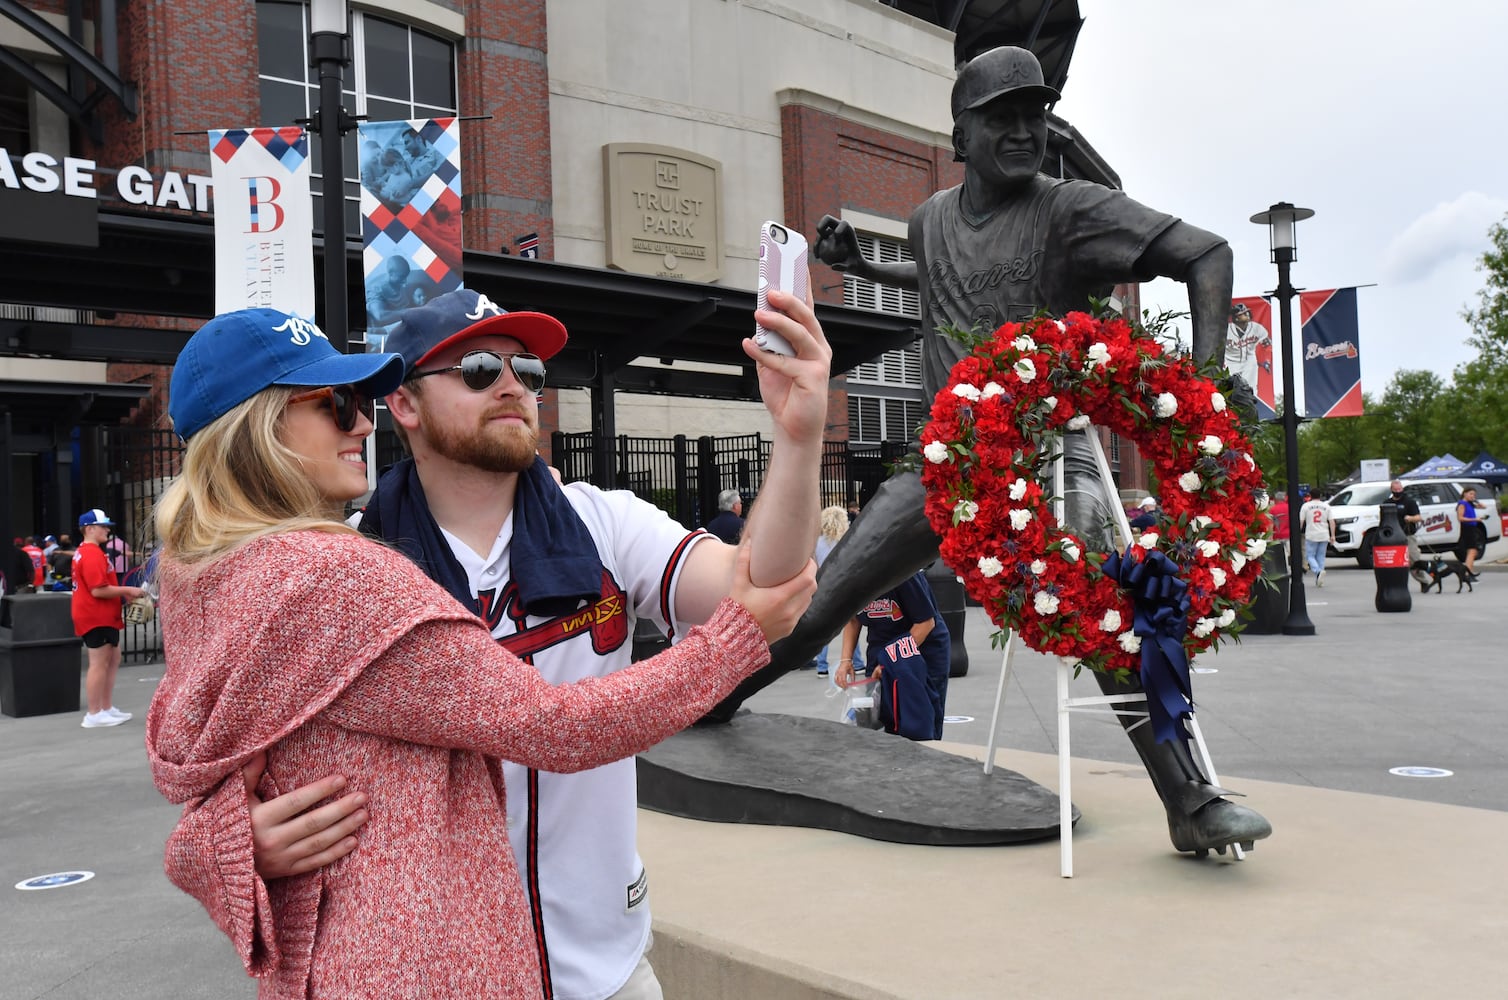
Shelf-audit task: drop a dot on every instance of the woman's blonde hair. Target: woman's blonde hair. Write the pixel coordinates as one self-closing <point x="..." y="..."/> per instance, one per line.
<point x="239" y="482"/>
<point x="834" y="522"/>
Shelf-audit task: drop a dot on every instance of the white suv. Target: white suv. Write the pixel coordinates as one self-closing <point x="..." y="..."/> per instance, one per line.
<point x="1356" y="516"/>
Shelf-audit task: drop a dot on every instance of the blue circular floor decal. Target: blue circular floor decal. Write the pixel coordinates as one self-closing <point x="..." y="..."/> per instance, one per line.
<point x="53" y="881"/>
<point x="1420" y="772"/>
<point x="958" y="718"/>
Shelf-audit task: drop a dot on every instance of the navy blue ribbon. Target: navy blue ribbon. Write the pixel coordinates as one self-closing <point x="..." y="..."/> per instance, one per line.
<point x="1161" y="597"/>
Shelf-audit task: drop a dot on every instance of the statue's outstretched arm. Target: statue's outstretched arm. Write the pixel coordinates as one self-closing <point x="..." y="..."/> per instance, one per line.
<point x="837" y="245"/>
<point x="1184" y="252"/>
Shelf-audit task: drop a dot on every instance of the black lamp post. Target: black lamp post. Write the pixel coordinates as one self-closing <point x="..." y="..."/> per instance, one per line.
<point x="1280" y="219"/>
<point x="329" y="39"/>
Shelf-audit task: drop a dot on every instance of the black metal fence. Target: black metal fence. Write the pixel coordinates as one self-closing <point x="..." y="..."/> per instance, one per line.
<point x="138" y="463"/>
<point x="683" y="476"/>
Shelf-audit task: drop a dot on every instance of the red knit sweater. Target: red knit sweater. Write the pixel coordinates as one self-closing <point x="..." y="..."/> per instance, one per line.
<point x="336" y="655"/>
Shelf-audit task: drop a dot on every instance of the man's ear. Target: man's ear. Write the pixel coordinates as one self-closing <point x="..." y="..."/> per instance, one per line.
<point x="403" y="407"/>
<point x="958" y="142"/>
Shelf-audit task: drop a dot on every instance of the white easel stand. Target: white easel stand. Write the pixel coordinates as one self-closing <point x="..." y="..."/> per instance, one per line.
<point x="1096" y="703"/>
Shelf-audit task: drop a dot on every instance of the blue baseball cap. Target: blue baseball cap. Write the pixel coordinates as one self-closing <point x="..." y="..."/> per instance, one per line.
<point x="95" y="516"/>
<point x="238" y="354"/>
<point x="463" y="314"/>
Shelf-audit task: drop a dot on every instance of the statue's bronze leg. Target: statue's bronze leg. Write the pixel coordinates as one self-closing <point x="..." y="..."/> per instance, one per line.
<point x="889" y="541"/>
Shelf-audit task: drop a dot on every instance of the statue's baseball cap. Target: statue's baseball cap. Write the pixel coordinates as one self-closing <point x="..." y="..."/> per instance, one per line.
<point x="1007" y="69"/>
<point x="95" y="516"/>
<point x="445" y="320"/>
<point x="238" y="354"/>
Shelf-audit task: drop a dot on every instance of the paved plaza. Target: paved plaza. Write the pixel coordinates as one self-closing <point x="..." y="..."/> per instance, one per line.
<point x="1373" y="884"/>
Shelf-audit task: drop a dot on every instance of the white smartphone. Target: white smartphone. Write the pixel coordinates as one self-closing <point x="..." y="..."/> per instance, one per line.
<point x="782" y="265"/>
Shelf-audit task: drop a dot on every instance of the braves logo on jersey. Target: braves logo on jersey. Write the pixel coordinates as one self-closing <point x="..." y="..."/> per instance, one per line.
<point x="882" y="609"/>
<point x="606" y="620"/>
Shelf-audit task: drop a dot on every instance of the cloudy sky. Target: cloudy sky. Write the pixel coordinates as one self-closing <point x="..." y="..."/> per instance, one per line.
<point x="1383" y="116"/>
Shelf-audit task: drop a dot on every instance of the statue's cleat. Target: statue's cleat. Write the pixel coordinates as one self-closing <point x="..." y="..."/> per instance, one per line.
<point x="1217" y="825"/>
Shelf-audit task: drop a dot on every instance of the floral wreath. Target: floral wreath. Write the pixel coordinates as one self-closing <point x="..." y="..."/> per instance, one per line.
<point x="1184" y="584"/>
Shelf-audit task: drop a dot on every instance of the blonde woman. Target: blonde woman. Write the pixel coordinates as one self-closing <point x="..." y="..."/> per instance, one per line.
<point x="834" y="522"/>
<point x="287" y="632"/>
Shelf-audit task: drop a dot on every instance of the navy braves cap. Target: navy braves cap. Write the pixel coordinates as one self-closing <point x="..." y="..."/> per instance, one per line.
<point x="95" y="516"/>
<point x="238" y="354"/>
<point x="463" y="314"/>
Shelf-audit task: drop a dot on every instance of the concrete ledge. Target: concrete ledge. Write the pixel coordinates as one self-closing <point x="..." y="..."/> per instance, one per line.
<point x="1354" y="896"/>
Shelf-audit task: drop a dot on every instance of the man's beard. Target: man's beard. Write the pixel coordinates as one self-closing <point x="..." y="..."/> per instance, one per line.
<point x="493" y="448"/>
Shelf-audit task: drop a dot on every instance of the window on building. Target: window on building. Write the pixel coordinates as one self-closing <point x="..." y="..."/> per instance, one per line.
<point x="896" y="368"/>
<point x="873" y="419"/>
<point x="397" y="73"/>
<point x="15" y="112"/>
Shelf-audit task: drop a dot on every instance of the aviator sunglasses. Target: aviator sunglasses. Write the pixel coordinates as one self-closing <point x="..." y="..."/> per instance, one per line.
<point x="480" y="370"/>
<point x="345" y="403"/>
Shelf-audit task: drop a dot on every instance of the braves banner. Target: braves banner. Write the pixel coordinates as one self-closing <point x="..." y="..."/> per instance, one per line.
<point x="1332" y="362"/>
<point x="410" y="216"/>
<point x="1248" y="350"/>
<point x="264" y="220"/>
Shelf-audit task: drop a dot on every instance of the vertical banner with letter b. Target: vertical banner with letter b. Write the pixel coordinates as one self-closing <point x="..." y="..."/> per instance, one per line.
<point x="1332" y="360"/>
<point x="264" y="220"/>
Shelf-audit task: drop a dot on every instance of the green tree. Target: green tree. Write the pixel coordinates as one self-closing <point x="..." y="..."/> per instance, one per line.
<point x="1474" y="413"/>
<point x="1406" y="416"/>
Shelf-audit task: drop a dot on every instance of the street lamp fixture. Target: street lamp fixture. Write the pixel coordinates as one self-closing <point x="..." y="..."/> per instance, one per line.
<point x="329" y="38"/>
<point x="1280" y="220"/>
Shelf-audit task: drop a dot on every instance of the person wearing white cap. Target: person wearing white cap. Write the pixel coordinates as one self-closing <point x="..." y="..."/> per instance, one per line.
<point x="1146" y="516"/>
<point x="97" y="619"/>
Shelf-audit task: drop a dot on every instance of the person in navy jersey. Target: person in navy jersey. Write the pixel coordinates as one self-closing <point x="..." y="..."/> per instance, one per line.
<point x="900" y="622"/>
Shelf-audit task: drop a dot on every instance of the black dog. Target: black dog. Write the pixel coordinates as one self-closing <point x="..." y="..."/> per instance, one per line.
<point x="1439" y="570"/>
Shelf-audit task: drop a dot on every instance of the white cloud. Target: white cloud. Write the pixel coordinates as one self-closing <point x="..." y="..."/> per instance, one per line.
<point x="1445" y="232"/>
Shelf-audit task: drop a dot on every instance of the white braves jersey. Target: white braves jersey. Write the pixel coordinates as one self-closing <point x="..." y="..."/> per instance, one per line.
<point x="575" y="835"/>
<point x="1241" y="350"/>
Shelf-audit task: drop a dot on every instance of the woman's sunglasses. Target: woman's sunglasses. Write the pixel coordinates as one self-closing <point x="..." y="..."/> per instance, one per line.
<point x="480" y="370"/>
<point x="345" y="403"/>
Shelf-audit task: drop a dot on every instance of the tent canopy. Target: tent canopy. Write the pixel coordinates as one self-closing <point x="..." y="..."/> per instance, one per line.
<point x="1440" y="465"/>
<point x="1484" y="466"/>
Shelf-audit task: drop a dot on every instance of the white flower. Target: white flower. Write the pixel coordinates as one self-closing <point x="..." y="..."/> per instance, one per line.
<point x="1218" y="575"/>
<point x="1203" y="627"/>
<point x="936" y="452"/>
<point x="1097" y="356"/>
<point x="1025" y="370"/>
<point x="965" y="391"/>
<point x="1024" y="344"/>
<point x="1130" y="642"/>
<point x="1045" y="603"/>
<point x="1237" y="562"/>
<point x="1020" y="519"/>
<point x="1051" y="402"/>
<point x="1062" y="326"/>
<point x="1148" y="540"/>
<point x="1038" y="567"/>
<point x="992" y="389"/>
<point x="1018" y="489"/>
<point x="1110" y="621"/>
<point x="1255" y="547"/>
<point x="1190" y="482"/>
<point x="1217" y="402"/>
<point x="1167" y="405"/>
<point x="1251" y="462"/>
<point x="1226" y="619"/>
<point x="1071" y="552"/>
<point x="1202" y="521"/>
<point x="1077" y="422"/>
<point x="965" y="510"/>
<point x="1263" y="501"/>
<point x="1208" y="547"/>
<point x="1210" y="444"/>
<point x="990" y="566"/>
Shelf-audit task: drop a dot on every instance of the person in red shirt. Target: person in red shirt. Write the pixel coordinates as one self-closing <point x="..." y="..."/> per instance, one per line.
<point x="97" y="594"/>
<point x="1280" y="516"/>
<point x="38" y="564"/>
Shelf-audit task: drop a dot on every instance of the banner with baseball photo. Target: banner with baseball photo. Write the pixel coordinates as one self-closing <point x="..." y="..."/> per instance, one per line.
<point x="410" y="216"/>
<point x="264" y="220"/>
<point x="1332" y="360"/>
<point x="1248" y="350"/>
